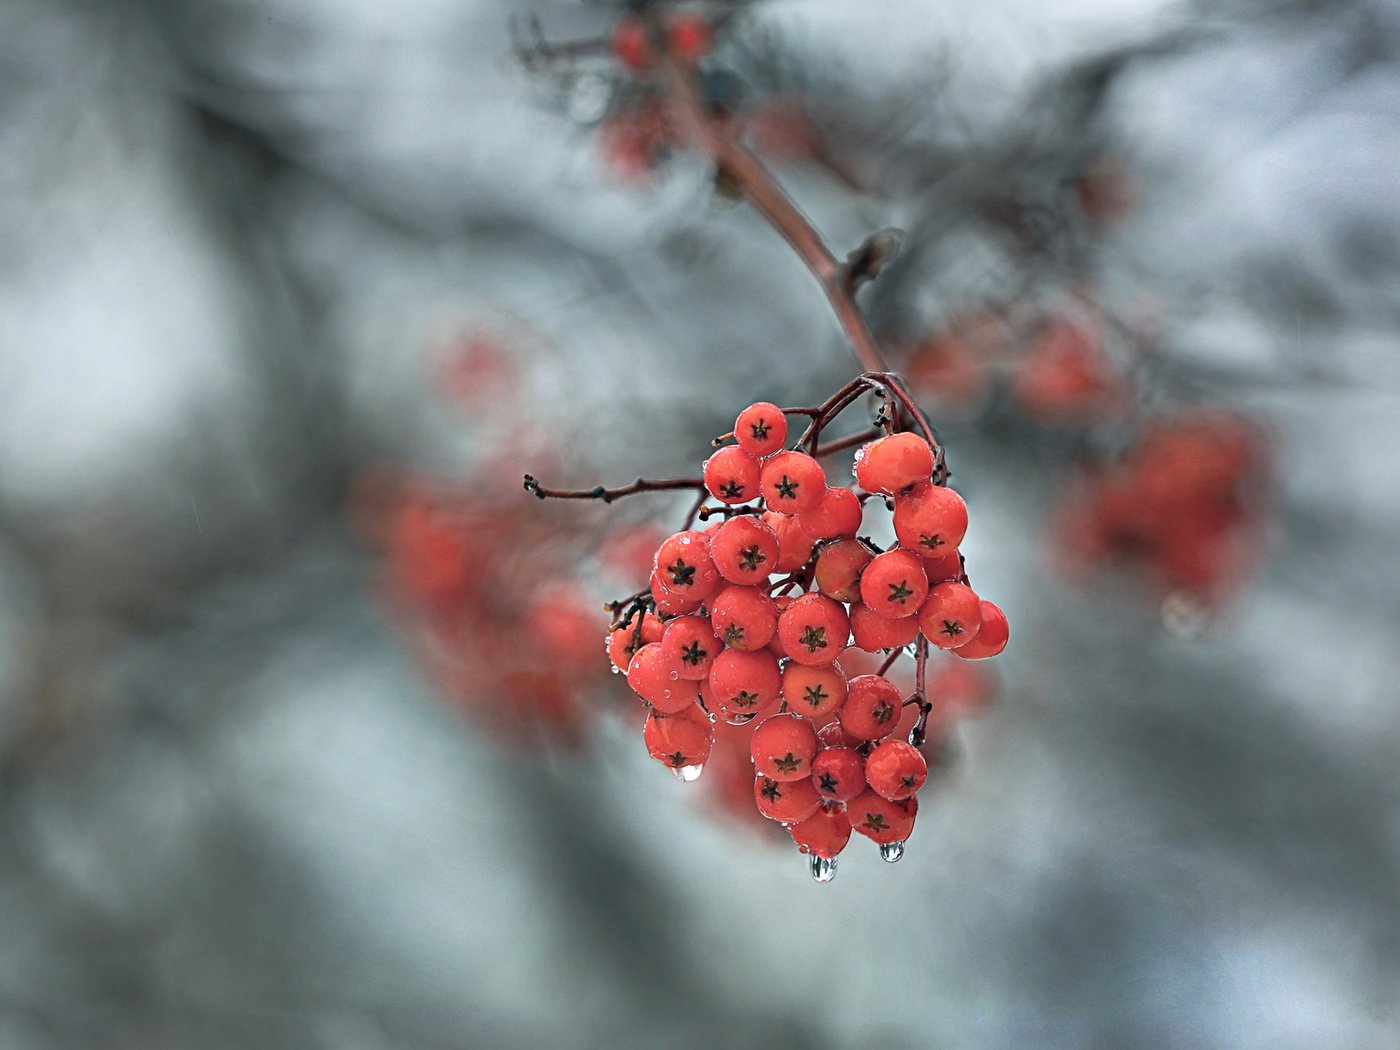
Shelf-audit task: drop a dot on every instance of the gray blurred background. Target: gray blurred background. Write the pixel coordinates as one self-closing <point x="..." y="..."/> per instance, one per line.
<point x="236" y="812"/>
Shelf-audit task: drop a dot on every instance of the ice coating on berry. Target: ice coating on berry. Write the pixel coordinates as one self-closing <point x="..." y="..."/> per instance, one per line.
<point x="930" y="519"/>
<point x="895" y="770"/>
<point x="743" y="617"/>
<point x="792" y="482"/>
<point x="761" y="429"/>
<point x="881" y="820"/>
<point x="838" y="773"/>
<point x="731" y="475"/>
<point x="814" y="630"/>
<point x="690" y="644"/>
<point x="893" y="463"/>
<point x="745" y="683"/>
<point x="872" y="632"/>
<point x="952" y="615"/>
<point x="744" y="550"/>
<point x="823" y="834"/>
<point x="680" y="739"/>
<point x="786" y="801"/>
<point x="837" y="515"/>
<point x="992" y="635"/>
<point x="839" y="567"/>
<point x="894" y="584"/>
<point x="872" y="707"/>
<point x="783" y="747"/>
<point x="815" y="693"/>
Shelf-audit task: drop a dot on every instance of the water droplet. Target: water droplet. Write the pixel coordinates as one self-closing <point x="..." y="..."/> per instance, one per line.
<point x="665" y="694"/>
<point x="688" y="774"/>
<point x="589" y="99"/>
<point x="739" y="720"/>
<point x="615" y="669"/>
<point x="891" y="851"/>
<point x="674" y="676"/>
<point x="823" y="868"/>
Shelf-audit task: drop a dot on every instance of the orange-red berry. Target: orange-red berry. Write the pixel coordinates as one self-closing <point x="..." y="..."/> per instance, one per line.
<point x="783" y="747"/>
<point x="794" y="544"/>
<point x="951" y="616"/>
<point x="838" y="773"/>
<point x="669" y="602"/>
<point x="791" y="482"/>
<point x="992" y="635"/>
<point x="743" y="685"/>
<point x="930" y="519"/>
<point x="872" y="707"/>
<point x="893" y="463"/>
<point x="623" y="642"/>
<point x="839" y="567"/>
<point x="823" y="834"/>
<point x="814" y="630"/>
<point x="834" y="734"/>
<point x="894" y="584"/>
<point x="872" y="632"/>
<point x="761" y="429"/>
<point x="744" y="549"/>
<point x="743" y="617"/>
<point x="786" y="801"/>
<point x="685" y="567"/>
<point x="731" y="475"/>
<point x="814" y="692"/>
<point x="881" y="820"/>
<point x="690" y="644"/>
<point x="945" y="566"/>
<point x="895" y="770"/>
<point x="682" y="738"/>
<point x="837" y="515"/>
<point x="658" y="681"/>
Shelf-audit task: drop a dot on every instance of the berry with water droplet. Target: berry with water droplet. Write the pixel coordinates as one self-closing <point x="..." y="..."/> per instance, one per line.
<point x="745" y="550"/>
<point x="837" y="515"/>
<point x="794" y="545"/>
<point x="825" y="833"/>
<point x="951" y="616"/>
<point x="792" y="482"/>
<point x="655" y="679"/>
<point x="839" y="567"/>
<point x="894" y="584"/>
<point x="881" y="820"/>
<point x="895" y="770"/>
<point x="893" y="463"/>
<point x="685" y="567"/>
<point x="815" y="693"/>
<point x="731" y="475"/>
<point x="992" y="635"/>
<point x="623" y="642"/>
<point x="930" y="520"/>
<point x="872" y="632"/>
<point x="743" y="618"/>
<point x="783" y="746"/>
<point x="745" y="683"/>
<point x="814" y="630"/>
<point x="761" y="429"/>
<point x="786" y="801"/>
<point x="872" y="707"/>
<point x="680" y="739"/>
<point x="690" y="644"/>
<point x="838" y="773"/>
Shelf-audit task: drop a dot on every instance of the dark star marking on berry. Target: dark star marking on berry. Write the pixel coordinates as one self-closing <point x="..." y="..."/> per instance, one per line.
<point x="908" y="781"/>
<point x="813" y="638"/>
<point x="815" y="695"/>
<point x="744" y="698"/>
<point x="900" y="592"/>
<point x="751" y="557"/>
<point x="731" y="489"/>
<point x="771" y="791"/>
<point x="931" y="542"/>
<point x="884" y="712"/>
<point x="733" y="635"/>
<point x="676" y="758"/>
<point x="682" y="575"/>
<point x="760" y="429"/>
<point x="875" y="821"/>
<point x="828" y="784"/>
<point x="789" y="763"/>
<point x="692" y="654"/>
<point x="951" y="628"/>
<point x="787" y="488"/>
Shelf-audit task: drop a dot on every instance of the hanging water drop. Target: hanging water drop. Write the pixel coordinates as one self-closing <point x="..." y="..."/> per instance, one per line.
<point x="688" y="774"/>
<point x="891" y="851"/>
<point x="674" y="675"/>
<point x="823" y="868"/>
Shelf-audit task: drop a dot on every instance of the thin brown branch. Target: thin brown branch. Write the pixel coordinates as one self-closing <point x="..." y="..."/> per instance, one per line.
<point x="607" y="495"/>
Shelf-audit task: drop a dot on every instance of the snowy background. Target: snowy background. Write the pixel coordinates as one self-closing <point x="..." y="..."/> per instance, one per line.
<point x="233" y="813"/>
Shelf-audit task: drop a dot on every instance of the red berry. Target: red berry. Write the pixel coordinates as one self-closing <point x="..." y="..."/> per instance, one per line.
<point x="623" y="642"/>
<point x="669" y="602"/>
<point x="743" y="617"/>
<point x="872" y="632"/>
<point x="680" y="739"/>
<point x="823" y="834"/>
<point x="895" y="770"/>
<point x="783" y="747"/>
<point x="951" y="616"/>
<point x="744" y="549"/>
<point x="893" y="463"/>
<point x="814" y="692"/>
<point x="690" y="644"/>
<point x="630" y="44"/>
<point x="689" y="35"/>
<point x="787" y="802"/>
<point x="872" y="707"/>
<point x="761" y="429"/>
<point x="838" y="773"/>
<point x="684" y="564"/>
<point x="794" y="544"/>
<point x="880" y="819"/>
<point x="839" y="567"/>
<point x="731" y="475"/>
<point x="658" y="681"/>
<point x="894" y="584"/>
<point x="814" y="630"/>
<point x="945" y="566"/>
<point x="837" y="515"/>
<point x="991" y="637"/>
<point x="834" y="734"/>
<point x="930" y="519"/>
<point x="792" y="482"/>
<point x="745" y="684"/>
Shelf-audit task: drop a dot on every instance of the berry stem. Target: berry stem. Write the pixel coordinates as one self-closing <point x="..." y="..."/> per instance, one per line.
<point x="889" y="661"/>
<point x="919" y="733"/>
<point x="608" y="495"/>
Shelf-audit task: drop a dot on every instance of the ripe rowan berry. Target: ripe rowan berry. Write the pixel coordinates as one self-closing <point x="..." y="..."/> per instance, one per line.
<point x="823" y="834"/>
<point x="745" y="684"/>
<point x="991" y="637"/>
<point x="837" y="515"/>
<point x="731" y="475"/>
<point x="761" y="429"/>
<point x="623" y="642"/>
<point x="743" y="617"/>
<point x="684" y="564"/>
<point x="791" y="482"/>
<point x="783" y="747"/>
<point x="814" y="692"/>
<point x="744" y="550"/>
<point x="839" y="567"/>
<point x="814" y="630"/>
<point x="872" y="707"/>
<point x="951" y="616"/>
<point x="688" y="35"/>
<point x="893" y="463"/>
<point x="881" y="820"/>
<point x="838" y="773"/>
<point x="683" y="738"/>
<point x="669" y="602"/>
<point x="945" y="566"/>
<point x="894" y="584"/>
<point x="630" y="44"/>
<point x="834" y="734"/>
<point x="786" y="801"/>
<point x="930" y="519"/>
<point x="690" y="644"/>
<point x="895" y="770"/>
<point x="872" y="632"/>
<point x="658" y="681"/>
<point x="794" y="544"/>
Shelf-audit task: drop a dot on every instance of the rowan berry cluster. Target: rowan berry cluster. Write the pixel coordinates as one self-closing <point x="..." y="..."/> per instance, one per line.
<point x="747" y="619"/>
